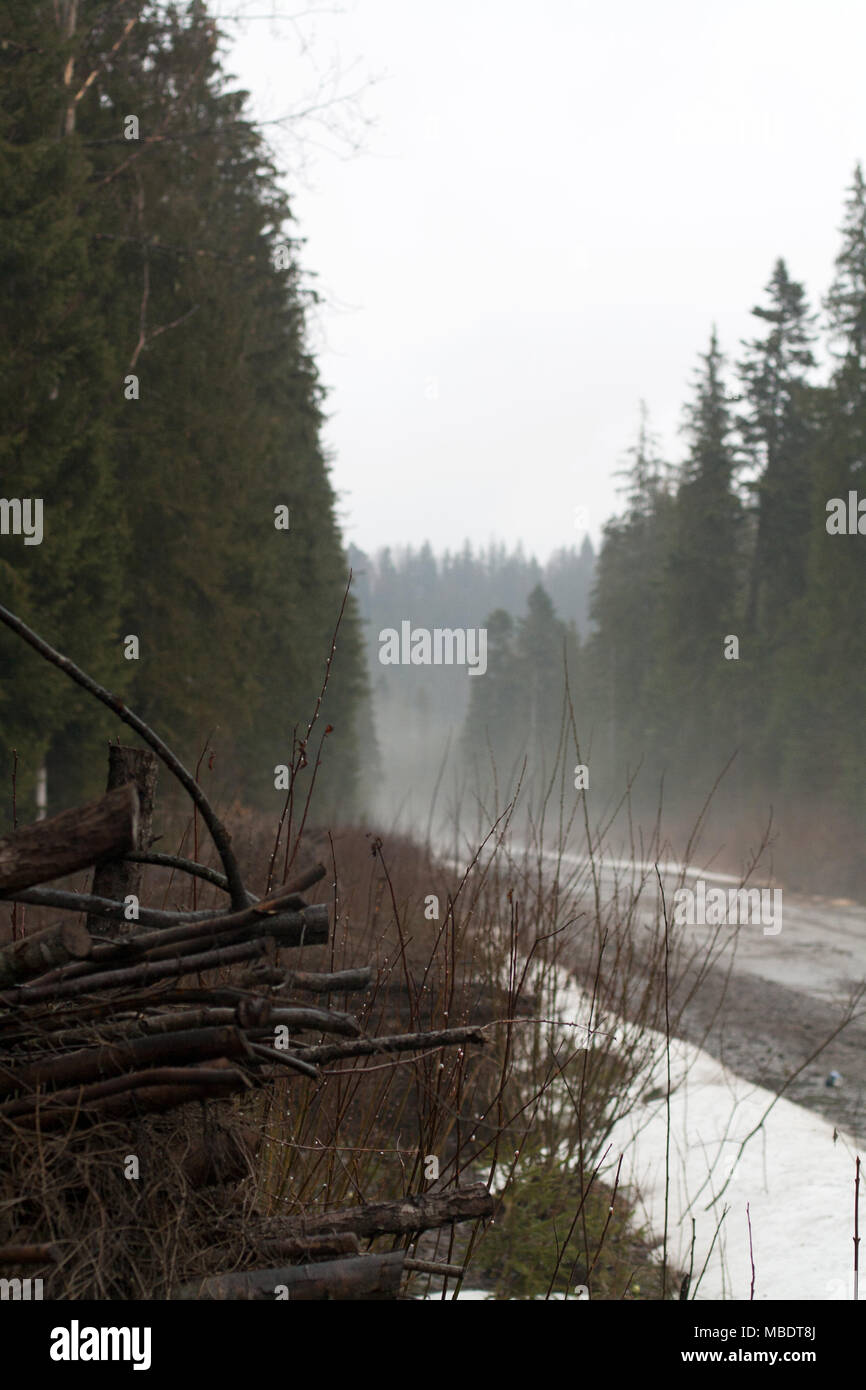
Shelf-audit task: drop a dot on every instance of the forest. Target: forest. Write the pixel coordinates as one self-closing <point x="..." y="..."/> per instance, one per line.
<point x="160" y="401"/>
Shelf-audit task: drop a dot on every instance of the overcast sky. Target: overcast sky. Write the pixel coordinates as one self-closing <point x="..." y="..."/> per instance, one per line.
<point x="553" y="203"/>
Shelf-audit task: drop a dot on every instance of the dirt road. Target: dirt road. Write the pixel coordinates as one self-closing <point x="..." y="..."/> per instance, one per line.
<point x="786" y="996"/>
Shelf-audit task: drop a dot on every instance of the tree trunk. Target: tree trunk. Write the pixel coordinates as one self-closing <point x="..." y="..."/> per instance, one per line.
<point x="118" y="878"/>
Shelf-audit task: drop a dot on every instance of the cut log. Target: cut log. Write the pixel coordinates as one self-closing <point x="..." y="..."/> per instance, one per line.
<point x="117" y="877"/>
<point x="133" y="975"/>
<point x="33" y="955"/>
<point x="289" y="929"/>
<point x="157" y="1089"/>
<point x="112" y="1059"/>
<point x="309" y="927"/>
<point x="434" y="1267"/>
<point x="366" y="1276"/>
<point x="73" y="840"/>
<point x="423" y="1212"/>
<point x="300" y="1249"/>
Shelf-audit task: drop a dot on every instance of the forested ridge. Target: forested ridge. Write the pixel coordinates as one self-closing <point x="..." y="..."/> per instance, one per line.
<point x="157" y="393"/>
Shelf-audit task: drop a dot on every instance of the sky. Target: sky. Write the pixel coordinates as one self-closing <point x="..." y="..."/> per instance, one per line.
<point x="522" y="219"/>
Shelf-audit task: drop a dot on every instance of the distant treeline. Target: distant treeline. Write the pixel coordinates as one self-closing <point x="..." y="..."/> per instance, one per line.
<point x="460" y="589"/>
<point x="158" y="395"/>
<point x="420" y="710"/>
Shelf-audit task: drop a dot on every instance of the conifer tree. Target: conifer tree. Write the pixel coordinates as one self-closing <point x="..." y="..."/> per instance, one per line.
<point x="492" y="729"/>
<point x="55" y="411"/>
<point x="700" y="596"/>
<point x="623" y="651"/>
<point x="826" y="673"/>
<point x="777" y="440"/>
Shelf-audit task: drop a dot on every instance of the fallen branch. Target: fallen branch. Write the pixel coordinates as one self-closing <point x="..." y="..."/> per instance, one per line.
<point x="423" y="1212"/>
<point x="184" y="866"/>
<point x="396" y="1042"/>
<point x="307" y="928"/>
<point x="65" y="901"/>
<point x="202" y="871"/>
<point x="284" y="1059"/>
<point x="258" y="1022"/>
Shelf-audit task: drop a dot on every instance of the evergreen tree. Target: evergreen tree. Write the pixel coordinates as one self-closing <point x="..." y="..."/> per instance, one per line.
<point x="697" y="694"/>
<point x="492" y="730"/>
<point x="825" y="676"/>
<point x="55" y="379"/>
<point x="777" y="439"/>
<point x="623" y="650"/>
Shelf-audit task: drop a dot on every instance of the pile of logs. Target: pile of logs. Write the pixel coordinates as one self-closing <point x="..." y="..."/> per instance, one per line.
<point x="97" y="1021"/>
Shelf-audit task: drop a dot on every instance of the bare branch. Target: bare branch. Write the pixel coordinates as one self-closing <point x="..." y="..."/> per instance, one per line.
<point x="218" y="832"/>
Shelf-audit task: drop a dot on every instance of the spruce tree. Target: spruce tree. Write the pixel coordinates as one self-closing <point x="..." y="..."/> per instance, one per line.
<point x="700" y="596"/>
<point x="777" y="440"/>
<point x="55" y="408"/>
<point x="826" y="673"/>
